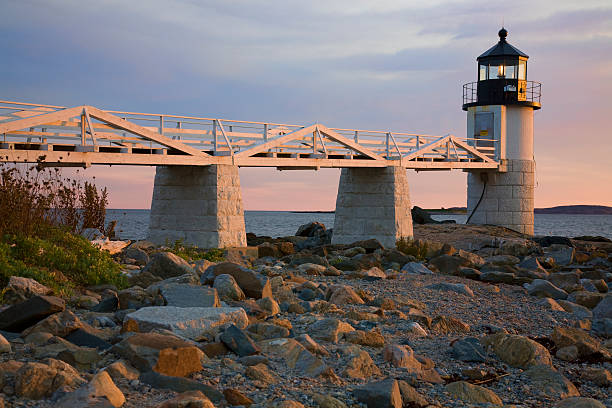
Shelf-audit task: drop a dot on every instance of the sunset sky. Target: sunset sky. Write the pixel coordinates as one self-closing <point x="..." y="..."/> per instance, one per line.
<point x="381" y="65"/>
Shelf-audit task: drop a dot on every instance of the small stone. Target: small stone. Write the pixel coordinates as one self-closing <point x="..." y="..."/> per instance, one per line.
<point x="227" y="288"/>
<point x="269" y="305"/>
<point x="296" y="356"/>
<point x="551" y="304"/>
<point x="447" y="324"/>
<point x="343" y="295"/>
<point x="5" y="346"/>
<point x="38" y="381"/>
<point x="416" y="329"/>
<point x="568" y="353"/>
<point x="473" y="393"/>
<point x="261" y="373"/>
<point x="59" y="324"/>
<point x="100" y="389"/>
<point x="252" y="284"/>
<point x="179" y="362"/>
<point x="599" y="376"/>
<point x="236" y="398"/>
<point x="369" y="338"/>
<point x="181" y="295"/>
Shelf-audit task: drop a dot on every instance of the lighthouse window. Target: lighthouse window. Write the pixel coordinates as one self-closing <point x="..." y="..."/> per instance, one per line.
<point x="522" y="70"/>
<point x="497" y="71"/>
<point x="482" y="73"/>
<point x="510" y="72"/>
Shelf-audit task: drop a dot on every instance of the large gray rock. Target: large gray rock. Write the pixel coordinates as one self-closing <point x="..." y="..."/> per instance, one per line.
<point x="543" y="288"/>
<point x="548" y="382"/>
<point x="603" y="310"/>
<point x="238" y="341"/>
<point x="181" y="295"/>
<point x="22" y="315"/>
<point x="252" y="284"/>
<point x="228" y="288"/>
<point x="469" y="349"/>
<point x="380" y="394"/>
<point x="167" y="265"/>
<point x="602" y="327"/>
<point x="460" y="288"/>
<point x="416" y="268"/>
<point x="194" y="323"/>
<point x="179" y="384"/>
<point x="562" y="254"/>
<point x="20" y="289"/>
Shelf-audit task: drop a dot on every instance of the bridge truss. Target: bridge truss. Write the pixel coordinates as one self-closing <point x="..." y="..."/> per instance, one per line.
<point x="85" y="135"/>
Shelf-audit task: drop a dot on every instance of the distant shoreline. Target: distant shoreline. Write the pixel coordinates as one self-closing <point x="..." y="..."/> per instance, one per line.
<point x="561" y="209"/>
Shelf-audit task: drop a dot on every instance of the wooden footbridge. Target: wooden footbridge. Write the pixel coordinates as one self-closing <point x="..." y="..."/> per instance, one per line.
<point x="85" y="135"/>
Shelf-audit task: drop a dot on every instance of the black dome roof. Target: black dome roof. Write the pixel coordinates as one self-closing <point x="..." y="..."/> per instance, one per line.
<point x="503" y="48"/>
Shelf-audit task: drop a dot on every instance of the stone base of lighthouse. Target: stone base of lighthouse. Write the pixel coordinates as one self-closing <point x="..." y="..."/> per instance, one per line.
<point x="200" y="206"/>
<point x="372" y="203"/>
<point x="508" y="197"/>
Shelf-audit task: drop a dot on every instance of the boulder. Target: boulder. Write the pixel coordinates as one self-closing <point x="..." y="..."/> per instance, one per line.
<point x="190" y="399"/>
<point x="167" y="265"/>
<point x="295" y="355"/>
<point x="22" y="315"/>
<point x="327" y="401"/>
<point x="181" y="295"/>
<point x="460" y="288"/>
<point x="261" y="373"/>
<point x="603" y="310"/>
<point x="587" y="299"/>
<point x="312" y="269"/>
<point x="269" y="305"/>
<point x="416" y="268"/>
<point x="588" y="348"/>
<point x="568" y="281"/>
<point x="579" y="402"/>
<point x="380" y="394"/>
<point x="359" y="363"/>
<point x="449" y="264"/>
<point x="447" y="324"/>
<point x="469" y="349"/>
<point x="329" y="329"/>
<point x="372" y="274"/>
<point x="20" y="289"/>
<point x="135" y="256"/>
<point x="312" y="229"/>
<point x="401" y="356"/>
<point x="59" y="324"/>
<point x="136" y="297"/>
<point x="342" y="295"/>
<point x="365" y="338"/>
<point x="101" y="389"/>
<point x="179" y="384"/>
<point x="517" y="351"/>
<point x="543" y="288"/>
<point x="473" y="393"/>
<point x="236" y="398"/>
<point x="122" y="370"/>
<point x="158" y="352"/>
<point x="311" y="345"/>
<point x="195" y="323"/>
<point x="602" y="327"/>
<point x="268" y="330"/>
<point x="498" y="277"/>
<point x="252" y="284"/>
<point x="238" y="341"/>
<point x="38" y="381"/>
<point x="84" y="338"/>
<point x="550" y="383"/>
<point x="228" y="288"/>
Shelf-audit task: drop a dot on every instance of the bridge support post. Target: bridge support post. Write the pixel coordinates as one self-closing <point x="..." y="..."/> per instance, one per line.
<point x="372" y="203"/>
<point x="200" y="205"/>
<point x="508" y="197"/>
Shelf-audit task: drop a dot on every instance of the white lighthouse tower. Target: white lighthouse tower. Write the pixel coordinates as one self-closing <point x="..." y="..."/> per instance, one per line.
<point x="500" y="108"/>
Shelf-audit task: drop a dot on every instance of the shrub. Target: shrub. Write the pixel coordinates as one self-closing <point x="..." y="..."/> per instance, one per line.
<point x="58" y="259"/>
<point x="192" y="253"/>
<point x="416" y="248"/>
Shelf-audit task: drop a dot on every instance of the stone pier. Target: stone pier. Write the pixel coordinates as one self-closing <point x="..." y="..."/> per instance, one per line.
<point x="200" y="205"/>
<point x="372" y="203"/>
<point x="508" y="197"/>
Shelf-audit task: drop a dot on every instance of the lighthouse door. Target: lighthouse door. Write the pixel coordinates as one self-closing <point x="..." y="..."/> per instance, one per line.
<point x="484" y="131"/>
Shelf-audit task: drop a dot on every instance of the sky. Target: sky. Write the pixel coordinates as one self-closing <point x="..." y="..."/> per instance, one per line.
<point x="380" y="65"/>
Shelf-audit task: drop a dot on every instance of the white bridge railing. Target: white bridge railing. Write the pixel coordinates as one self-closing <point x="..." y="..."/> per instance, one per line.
<point x="87" y="129"/>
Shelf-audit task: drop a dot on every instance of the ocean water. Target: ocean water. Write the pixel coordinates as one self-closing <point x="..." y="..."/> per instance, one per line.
<point x="133" y="224"/>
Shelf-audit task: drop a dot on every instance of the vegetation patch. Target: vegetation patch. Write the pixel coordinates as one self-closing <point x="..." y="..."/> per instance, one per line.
<point x="416" y="248"/>
<point x="192" y="253"/>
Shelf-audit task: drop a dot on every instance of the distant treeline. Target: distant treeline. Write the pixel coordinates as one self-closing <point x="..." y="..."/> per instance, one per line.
<point x="575" y="209"/>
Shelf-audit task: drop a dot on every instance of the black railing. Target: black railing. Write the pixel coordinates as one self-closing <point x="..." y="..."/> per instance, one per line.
<point x="533" y="92"/>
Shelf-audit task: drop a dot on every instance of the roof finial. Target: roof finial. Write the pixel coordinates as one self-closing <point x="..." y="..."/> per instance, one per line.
<point x="503" y="33"/>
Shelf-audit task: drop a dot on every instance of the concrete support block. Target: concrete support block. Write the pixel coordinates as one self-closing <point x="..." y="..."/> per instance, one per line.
<point x="200" y="206"/>
<point x="372" y="203"/>
<point x="509" y="197"/>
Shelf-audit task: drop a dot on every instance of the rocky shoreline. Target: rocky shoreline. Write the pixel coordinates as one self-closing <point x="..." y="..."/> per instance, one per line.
<point x="463" y="316"/>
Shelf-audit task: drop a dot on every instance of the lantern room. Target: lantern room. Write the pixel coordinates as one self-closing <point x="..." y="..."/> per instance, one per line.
<point x="502" y="78"/>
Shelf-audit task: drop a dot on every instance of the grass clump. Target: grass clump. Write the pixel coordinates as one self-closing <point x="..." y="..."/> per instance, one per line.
<point x="191" y="253"/>
<point x="41" y="215"/>
<point x="410" y="246"/>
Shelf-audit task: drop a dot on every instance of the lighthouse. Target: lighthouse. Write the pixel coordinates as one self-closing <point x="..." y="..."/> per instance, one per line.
<point x="500" y="108"/>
